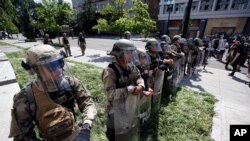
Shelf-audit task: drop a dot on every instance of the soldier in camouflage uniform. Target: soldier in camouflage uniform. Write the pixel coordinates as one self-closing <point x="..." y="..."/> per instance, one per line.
<point x="48" y="102"/>
<point x="123" y="85"/>
<point x="127" y="35"/>
<point x="47" y="40"/>
<point x="66" y="44"/>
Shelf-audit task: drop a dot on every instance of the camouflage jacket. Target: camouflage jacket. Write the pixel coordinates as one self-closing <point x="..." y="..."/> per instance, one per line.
<point x="115" y="93"/>
<point x="23" y="122"/>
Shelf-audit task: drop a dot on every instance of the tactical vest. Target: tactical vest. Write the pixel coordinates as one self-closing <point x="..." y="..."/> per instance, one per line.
<point x="123" y="76"/>
<point x="54" y="121"/>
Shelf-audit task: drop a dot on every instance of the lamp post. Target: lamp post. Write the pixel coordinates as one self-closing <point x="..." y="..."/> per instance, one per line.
<point x="170" y="8"/>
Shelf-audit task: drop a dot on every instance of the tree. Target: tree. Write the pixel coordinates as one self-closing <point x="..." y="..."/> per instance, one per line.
<point x="52" y="15"/>
<point x="118" y="20"/>
<point x="86" y="15"/>
<point x="25" y="11"/>
<point x="8" y="16"/>
<point x="142" y="23"/>
<point x="115" y="18"/>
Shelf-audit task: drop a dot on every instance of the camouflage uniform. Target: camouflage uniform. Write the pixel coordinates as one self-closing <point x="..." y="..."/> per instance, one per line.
<point x="47" y="40"/>
<point x="66" y="45"/>
<point x="82" y="43"/>
<point x="119" y="86"/>
<point x="28" y="110"/>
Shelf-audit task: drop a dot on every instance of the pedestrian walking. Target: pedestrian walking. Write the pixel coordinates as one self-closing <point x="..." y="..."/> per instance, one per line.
<point x="82" y="43"/>
<point x="66" y="45"/>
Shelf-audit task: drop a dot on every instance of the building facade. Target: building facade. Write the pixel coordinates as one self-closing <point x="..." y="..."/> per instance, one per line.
<point x="207" y="17"/>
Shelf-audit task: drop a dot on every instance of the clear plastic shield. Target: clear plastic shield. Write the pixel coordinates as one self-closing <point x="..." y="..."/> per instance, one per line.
<point x="126" y="119"/>
<point x="145" y="108"/>
<point x="158" y="83"/>
<point x="132" y="56"/>
<point x="51" y="74"/>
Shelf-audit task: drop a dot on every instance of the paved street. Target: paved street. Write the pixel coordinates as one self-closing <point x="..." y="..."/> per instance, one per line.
<point x="233" y="106"/>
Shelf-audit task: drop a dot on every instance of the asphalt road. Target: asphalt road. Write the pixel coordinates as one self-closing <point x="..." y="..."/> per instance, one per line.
<point x="105" y="43"/>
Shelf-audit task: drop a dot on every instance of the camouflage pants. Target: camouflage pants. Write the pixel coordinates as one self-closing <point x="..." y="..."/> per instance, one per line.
<point x="67" y="49"/>
<point x="83" y="47"/>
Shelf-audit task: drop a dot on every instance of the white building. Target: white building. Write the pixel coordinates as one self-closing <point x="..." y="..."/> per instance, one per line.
<point x="207" y="16"/>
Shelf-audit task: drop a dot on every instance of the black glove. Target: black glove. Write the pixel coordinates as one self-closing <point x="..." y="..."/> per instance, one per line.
<point x="84" y="135"/>
<point x="163" y="67"/>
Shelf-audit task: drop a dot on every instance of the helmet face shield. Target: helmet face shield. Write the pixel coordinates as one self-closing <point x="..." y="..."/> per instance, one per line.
<point x="51" y="74"/>
<point x="144" y="59"/>
<point x="130" y="56"/>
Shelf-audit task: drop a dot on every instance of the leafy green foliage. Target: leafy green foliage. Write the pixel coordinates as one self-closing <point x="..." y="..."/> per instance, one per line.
<point x="8" y="16"/>
<point x="51" y="15"/>
<point x="118" y="19"/>
<point x="142" y="23"/>
<point x="86" y="14"/>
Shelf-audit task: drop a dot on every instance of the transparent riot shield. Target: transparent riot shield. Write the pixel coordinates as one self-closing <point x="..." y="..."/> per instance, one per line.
<point x="145" y="108"/>
<point x="158" y="83"/>
<point x="126" y="119"/>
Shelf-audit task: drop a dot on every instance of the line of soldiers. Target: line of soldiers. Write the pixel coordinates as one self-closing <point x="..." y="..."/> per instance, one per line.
<point x="133" y="81"/>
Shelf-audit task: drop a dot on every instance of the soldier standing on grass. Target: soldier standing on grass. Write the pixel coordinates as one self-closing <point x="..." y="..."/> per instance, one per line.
<point x="66" y="45"/>
<point x="82" y="43"/>
<point x="123" y="85"/>
<point x="48" y="102"/>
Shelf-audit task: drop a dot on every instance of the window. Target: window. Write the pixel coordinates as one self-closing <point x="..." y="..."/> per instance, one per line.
<point x="206" y="5"/>
<point x="180" y="7"/>
<point x="221" y="5"/>
<point x="239" y="4"/>
<point x="195" y="6"/>
<point x="167" y="8"/>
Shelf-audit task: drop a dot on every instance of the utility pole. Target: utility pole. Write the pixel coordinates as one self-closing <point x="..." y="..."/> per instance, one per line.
<point x="186" y="19"/>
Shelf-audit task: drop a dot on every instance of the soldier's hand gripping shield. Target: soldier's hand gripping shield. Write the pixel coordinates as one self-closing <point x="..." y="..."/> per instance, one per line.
<point x="145" y="97"/>
<point x="125" y="51"/>
<point x="49" y="66"/>
<point x="126" y="118"/>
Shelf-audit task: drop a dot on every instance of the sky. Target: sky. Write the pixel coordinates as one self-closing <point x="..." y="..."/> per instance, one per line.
<point x="68" y="1"/>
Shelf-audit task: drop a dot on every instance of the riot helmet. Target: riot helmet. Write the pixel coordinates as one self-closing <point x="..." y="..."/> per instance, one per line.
<point x="176" y="38"/>
<point x="198" y="42"/>
<point x="124" y="50"/>
<point x="144" y="58"/>
<point x="166" y="38"/>
<point x="152" y="45"/>
<point x="127" y="35"/>
<point x="49" y="66"/>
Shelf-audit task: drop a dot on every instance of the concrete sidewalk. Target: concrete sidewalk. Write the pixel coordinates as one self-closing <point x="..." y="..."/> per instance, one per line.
<point x="8" y="87"/>
<point x="233" y="106"/>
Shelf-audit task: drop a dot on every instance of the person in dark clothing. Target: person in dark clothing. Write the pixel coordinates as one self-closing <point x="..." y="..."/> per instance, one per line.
<point x="66" y="45"/>
<point x="238" y="57"/>
<point x="47" y="40"/>
<point x="82" y="43"/>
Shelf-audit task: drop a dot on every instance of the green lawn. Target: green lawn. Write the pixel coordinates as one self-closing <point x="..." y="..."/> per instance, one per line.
<point x="186" y="116"/>
<point x="2" y="44"/>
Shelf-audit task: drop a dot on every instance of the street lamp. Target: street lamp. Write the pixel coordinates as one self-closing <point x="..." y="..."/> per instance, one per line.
<point x="169" y="9"/>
